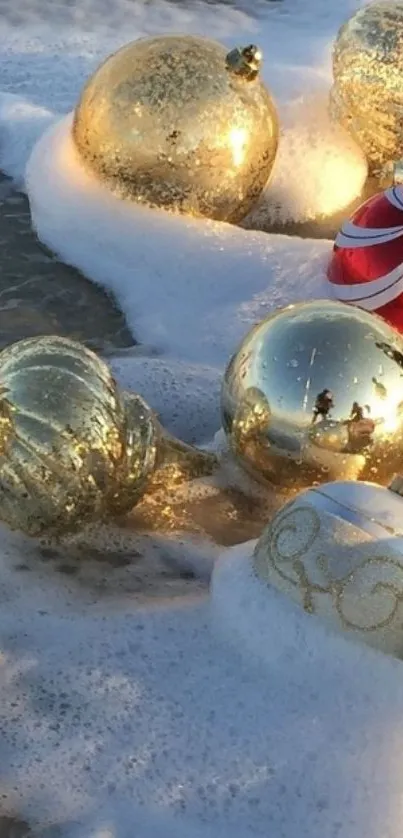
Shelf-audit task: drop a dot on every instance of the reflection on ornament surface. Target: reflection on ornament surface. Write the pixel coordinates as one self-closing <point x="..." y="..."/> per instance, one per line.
<point x="315" y="392"/>
<point x="175" y="122"/>
<point x="338" y="552"/>
<point x="73" y="450"/>
<point x="366" y="268"/>
<point x="367" y="94"/>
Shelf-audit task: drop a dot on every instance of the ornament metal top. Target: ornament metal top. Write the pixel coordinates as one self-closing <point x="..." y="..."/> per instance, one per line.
<point x="337" y="551"/>
<point x="315" y="393"/>
<point x="367" y="94"/>
<point x="175" y="122"/>
<point x="73" y="450"/>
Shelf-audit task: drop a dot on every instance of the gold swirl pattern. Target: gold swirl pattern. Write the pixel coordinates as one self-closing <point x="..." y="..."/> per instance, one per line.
<point x="365" y="590"/>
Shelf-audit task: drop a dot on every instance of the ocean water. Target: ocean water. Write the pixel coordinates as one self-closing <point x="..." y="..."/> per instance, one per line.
<point x="149" y="684"/>
<point x="39" y="294"/>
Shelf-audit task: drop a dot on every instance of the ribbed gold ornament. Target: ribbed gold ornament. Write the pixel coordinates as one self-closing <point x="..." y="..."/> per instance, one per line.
<point x="175" y="122"/>
<point x="73" y="449"/>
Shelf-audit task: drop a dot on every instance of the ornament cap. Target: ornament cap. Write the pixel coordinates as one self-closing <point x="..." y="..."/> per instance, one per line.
<point x="177" y="462"/>
<point x="156" y="459"/>
<point x="245" y="62"/>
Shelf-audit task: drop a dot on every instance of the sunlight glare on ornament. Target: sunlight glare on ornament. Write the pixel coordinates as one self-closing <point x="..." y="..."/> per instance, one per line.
<point x="238" y="139"/>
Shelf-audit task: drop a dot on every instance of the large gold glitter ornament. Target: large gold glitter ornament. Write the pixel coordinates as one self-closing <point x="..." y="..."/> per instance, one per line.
<point x="337" y="551"/>
<point x="73" y="450"/>
<point x="315" y="393"/>
<point x="367" y="94"/>
<point x="176" y="122"/>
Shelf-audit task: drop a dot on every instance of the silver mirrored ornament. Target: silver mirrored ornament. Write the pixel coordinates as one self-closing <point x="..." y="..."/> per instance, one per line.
<point x="177" y="122"/>
<point x="337" y="551"/>
<point x="315" y="393"/>
<point x="367" y="93"/>
<point x="73" y="449"/>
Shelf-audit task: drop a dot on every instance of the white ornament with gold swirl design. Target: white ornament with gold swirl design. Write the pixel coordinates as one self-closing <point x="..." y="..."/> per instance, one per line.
<point x="338" y="552"/>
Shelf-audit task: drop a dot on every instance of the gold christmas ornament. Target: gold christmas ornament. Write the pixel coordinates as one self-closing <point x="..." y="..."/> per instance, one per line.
<point x="175" y="122"/>
<point x="337" y="551"/>
<point x="73" y="450"/>
<point x="315" y="393"/>
<point x="367" y="94"/>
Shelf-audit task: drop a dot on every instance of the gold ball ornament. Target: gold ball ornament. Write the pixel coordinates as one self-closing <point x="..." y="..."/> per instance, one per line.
<point x="177" y="123"/>
<point x="367" y="94"/>
<point x="315" y="393"/>
<point x="73" y="449"/>
<point x="337" y="551"/>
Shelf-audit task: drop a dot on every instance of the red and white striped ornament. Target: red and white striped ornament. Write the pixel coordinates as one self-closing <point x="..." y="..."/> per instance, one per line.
<point x="366" y="268"/>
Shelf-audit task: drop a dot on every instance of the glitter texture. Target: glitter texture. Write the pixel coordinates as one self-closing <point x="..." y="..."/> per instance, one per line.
<point x="176" y="122"/>
<point x="367" y="94"/>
